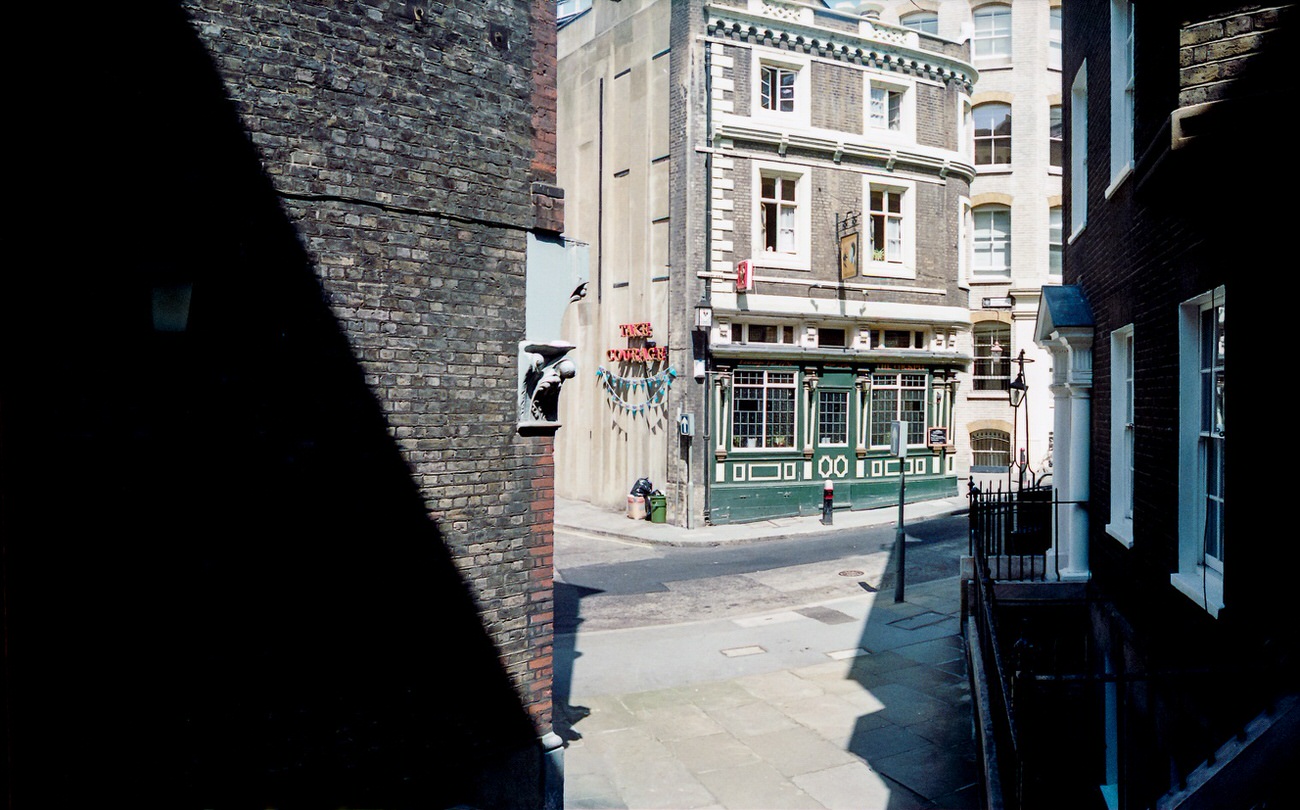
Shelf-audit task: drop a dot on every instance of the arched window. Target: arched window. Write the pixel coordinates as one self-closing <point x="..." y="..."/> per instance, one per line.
<point x="992" y="134"/>
<point x="927" y="22"/>
<point x="992" y="39"/>
<point x="991" y="450"/>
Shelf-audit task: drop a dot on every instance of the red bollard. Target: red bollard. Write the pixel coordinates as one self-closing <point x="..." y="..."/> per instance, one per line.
<point x="828" y="503"/>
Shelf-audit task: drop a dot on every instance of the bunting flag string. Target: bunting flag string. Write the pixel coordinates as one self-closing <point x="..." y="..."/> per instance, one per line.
<point x="623" y="391"/>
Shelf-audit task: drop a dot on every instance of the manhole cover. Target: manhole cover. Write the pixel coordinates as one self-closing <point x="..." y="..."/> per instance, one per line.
<point x="850" y="573"/>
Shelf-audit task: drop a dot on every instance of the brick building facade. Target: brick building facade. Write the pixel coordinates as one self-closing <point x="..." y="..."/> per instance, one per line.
<point x="1157" y="665"/>
<point x="316" y="562"/>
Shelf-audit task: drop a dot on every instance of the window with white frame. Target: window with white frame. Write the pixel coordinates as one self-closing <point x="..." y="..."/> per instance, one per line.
<point x="885" y="106"/>
<point x="895" y="397"/>
<point x="966" y="126"/>
<point x="832" y="418"/>
<point x="781" y="230"/>
<point x="1202" y="544"/>
<point x="927" y="22"/>
<point x="992" y="368"/>
<point x="1121" y="435"/>
<point x="992" y="134"/>
<point x="1121" y="89"/>
<point x="965" y="229"/>
<point x="1055" y="241"/>
<point x="762" y="412"/>
<point x="992" y="39"/>
<point x="776" y="88"/>
<point x="886" y="218"/>
<point x="1079" y="151"/>
<point x="781" y="88"/>
<point x="1055" y="133"/>
<point x="1054" y="38"/>
<point x="992" y="240"/>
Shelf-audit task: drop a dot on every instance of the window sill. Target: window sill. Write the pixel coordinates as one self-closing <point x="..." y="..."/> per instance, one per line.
<point x="987" y="169"/>
<point x="1075" y="235"/>
<point x="991" y="279"/>
<point x="782" y="261"/>
<point x="1055" y="171"/>
<point x="1204" y="586"/>
<point x="1119" y="178"/>
<point x="883" y="270"/>
<point x="1123" y="534"/>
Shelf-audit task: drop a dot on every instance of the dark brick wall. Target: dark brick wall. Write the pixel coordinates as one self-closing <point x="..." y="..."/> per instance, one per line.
<point x="1147" y="247"/>
<point x="335" y="586"/>
<point x="837" y="97"/>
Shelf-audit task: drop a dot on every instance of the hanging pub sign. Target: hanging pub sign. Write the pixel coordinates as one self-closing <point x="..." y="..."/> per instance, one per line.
<point x="744" y="276"/>
<point x="849" y="235"/>
<point x="648" y="353"/>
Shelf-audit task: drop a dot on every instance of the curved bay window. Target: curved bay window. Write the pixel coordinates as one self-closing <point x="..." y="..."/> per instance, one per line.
<point x="895" y="397"/>
<point x="991" y="451"/>
<point x="763" y="405"/>
<point x="992" y="370"/>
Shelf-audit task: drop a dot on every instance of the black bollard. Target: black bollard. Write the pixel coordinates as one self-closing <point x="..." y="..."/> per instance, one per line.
<point x="828" y="503"/>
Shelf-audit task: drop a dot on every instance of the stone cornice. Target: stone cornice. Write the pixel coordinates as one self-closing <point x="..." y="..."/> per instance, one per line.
<point x="879" y="48"/>
<point x="835" y="146"/>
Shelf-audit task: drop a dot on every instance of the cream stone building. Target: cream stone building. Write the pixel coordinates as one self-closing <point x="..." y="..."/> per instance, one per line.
<point x="1012" y="229"/>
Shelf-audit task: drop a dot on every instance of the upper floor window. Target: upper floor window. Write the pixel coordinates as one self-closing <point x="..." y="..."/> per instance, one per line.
<point x="1121" y="435"/>
<point x="992" y="134"/>
<point x="1079" y="151"/>
<point x="992" y="371"/>
<point x="1055" y="241"/>
<point x="779" y="214"/>
<point x="927" y="22"/>
<point x="782" y="216"/>
<point x="992" y="41"/>
<point x="1121" y="89"/>
<point x="777" y="88"/>
<point x="992" y="240"/>
<point x="886" y="226"/>
<point x="781" y="88"/>
<point x="1202" y="541"/>
<point x="886" y="110"/>
<point x="1055" y="133"/>
<point x="1054" y="37"/>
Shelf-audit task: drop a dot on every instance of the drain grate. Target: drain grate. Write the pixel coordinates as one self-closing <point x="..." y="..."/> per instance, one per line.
<point x="851" y="573"/>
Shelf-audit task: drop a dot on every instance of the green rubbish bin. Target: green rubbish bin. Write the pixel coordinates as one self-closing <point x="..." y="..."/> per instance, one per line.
<point x="658" y="507"/>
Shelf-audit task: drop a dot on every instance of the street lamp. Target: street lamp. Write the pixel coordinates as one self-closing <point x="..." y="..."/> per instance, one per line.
<point x="1016" y="392"/>
<point x="703" y="324"/>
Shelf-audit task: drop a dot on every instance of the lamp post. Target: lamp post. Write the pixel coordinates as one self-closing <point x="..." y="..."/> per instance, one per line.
<point x="1016" y="393"/>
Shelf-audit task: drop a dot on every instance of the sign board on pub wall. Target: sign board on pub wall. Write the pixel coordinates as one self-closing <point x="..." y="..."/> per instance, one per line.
<point x="937" y="437"/>
<point x="744" y="276"/>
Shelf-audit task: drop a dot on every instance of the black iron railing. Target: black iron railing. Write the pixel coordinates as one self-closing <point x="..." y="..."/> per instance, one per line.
<point x="1011" y="531"/>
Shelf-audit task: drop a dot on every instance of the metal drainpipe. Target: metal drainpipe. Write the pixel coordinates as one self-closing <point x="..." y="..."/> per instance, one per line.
<point x="708" y="245"/>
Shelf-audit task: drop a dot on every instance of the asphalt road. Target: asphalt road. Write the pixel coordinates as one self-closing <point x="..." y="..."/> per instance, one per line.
<point x="604" y="583"/>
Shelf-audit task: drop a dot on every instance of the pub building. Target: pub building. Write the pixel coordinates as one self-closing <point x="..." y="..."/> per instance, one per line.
<point x="780" y="256"/>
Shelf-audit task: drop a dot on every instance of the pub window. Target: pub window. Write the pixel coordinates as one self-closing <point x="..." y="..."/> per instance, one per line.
<point x="894" y="397"/>
<point x="832" y="418"/>
<point x="762" y="413"/>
